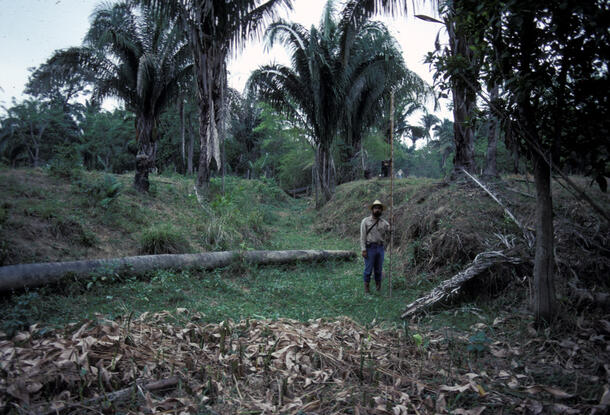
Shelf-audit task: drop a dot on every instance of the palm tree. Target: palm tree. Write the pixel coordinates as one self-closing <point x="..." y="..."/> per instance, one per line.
<point x="444" y="140"/>
<point x="368" y="96"/>
<point x="140" y="58"/>
<point x="458" y="53"/>
<point x="428" y="121"/>
<point x="214" y="28"/>
<point x="339" y="71"/>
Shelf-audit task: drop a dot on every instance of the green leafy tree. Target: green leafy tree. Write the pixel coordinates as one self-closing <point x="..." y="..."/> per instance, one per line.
<point x="59" y="83"/>
<point x="427" y="122"/>
<point x="367" y="96"/>
<point x="550" y="59"/>
<point x="107" y="141"/>
<point x="30" y="130"/>
<point x="139" y="57"/>
<point x="457" y="67"/>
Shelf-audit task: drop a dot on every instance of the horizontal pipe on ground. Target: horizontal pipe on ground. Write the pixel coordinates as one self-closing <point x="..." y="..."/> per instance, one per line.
<point x="33" y="275"/>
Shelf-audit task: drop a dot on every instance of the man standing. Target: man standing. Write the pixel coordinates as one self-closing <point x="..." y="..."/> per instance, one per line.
<point x="373" y="234"/>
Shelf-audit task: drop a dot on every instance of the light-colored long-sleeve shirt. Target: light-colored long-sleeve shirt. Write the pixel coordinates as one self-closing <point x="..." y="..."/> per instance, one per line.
<point x="378" y="234"/>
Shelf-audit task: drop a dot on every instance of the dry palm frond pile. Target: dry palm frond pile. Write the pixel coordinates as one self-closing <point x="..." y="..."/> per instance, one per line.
<point x="286" y="366"/>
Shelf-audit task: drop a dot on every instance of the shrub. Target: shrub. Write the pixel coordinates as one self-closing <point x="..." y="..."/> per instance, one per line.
<point x="102" y="192"/>
<point x="72" y="229"/>
<point x="20" y="312"/>
<point x="163" y="239"/>
<point x="67" y="162"/>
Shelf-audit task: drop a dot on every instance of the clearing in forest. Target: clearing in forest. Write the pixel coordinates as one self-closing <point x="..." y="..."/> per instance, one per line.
<point x="296" y="338"/>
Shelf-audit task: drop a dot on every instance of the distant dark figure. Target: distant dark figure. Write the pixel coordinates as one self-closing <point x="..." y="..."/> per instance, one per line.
<point x="367" y="174"/>
<point x="385" y="168"/>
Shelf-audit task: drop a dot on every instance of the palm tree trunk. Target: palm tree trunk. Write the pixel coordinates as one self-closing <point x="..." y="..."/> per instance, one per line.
<point x="464" y="133"/>
<point x="191" y="148"/>
<point x="324" y="170"/>
<point x="464" y="105"/>
<point x="182" y="134"/>
<point x="203" y="172"/>
<point x="203" y="88"/>
<point x="209" y="65"/>
<point x="491" y="167"/>
<point x="145" y="158"/>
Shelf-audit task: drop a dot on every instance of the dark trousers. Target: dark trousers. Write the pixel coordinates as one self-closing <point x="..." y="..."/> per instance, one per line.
<point x="373" y="263"/>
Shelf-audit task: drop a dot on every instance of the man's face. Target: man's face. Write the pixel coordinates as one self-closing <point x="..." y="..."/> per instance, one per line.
<point x="377" y="211"/>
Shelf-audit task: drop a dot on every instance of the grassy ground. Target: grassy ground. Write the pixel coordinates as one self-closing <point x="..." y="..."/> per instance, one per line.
<point x="481" y="353"/>
<point x="50" y="218"/>
<point x="302" y="291"/>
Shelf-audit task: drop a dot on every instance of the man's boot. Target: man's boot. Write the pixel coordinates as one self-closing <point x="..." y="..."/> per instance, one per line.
<point x="367" y="290"/>
<point x="378" y="285"/>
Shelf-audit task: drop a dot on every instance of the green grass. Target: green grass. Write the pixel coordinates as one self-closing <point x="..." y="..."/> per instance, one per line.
<point x="39" y="210"/>
<point x="302" y="291"/>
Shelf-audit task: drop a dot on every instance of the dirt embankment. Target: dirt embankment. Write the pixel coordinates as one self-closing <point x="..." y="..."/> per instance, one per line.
<point x="45" y="218"/>
<point x="440" y="227"/>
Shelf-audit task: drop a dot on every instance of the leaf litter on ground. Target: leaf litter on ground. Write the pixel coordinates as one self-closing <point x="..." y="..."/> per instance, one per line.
<point x="285" y="366"/>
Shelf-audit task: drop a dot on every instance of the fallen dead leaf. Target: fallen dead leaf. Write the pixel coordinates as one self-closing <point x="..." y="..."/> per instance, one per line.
<point x="557" y="393"/>
<point x="456" y="388"/>
<point x="474" y="411"/>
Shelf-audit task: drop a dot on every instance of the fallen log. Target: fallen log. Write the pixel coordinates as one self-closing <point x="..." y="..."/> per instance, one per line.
<point x="33" y="275"/>
<point x="451" y="287"/>
<point x="117" y="396"/>
<point x="298" y="191"/>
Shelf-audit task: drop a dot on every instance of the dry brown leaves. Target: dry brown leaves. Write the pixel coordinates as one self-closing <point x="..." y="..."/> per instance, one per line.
<point x="262" y="366"/>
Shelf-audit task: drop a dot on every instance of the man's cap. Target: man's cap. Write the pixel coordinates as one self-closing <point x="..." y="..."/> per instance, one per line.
<point x="377" y="203"/>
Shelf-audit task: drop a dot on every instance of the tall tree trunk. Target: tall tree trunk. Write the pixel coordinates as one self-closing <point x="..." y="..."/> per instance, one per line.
<point x="512" y="145"/>
<point x="208" y="66"/>
<point x="463" y="110"/>
<point x="201" y="60"/>
<point x="491" y="166"/>
<point x="220" y="87"/>
<point x="36" y="155"/>
<point x="205" y="105"/>
<point x="324" y="170"/>
<point x="145" y="158"/>
<point x="191" y="148"/>
<point x="464" y="105"/>
<point x="544" y="287"/>
<point x="364" y="172"/>
<point x="182" y="133"/>
<point x="203" y="172"/>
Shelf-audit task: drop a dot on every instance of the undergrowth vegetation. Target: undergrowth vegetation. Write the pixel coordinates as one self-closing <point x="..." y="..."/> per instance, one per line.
<point x="163" y="239"/>
<point x="50" y="216"/>
<point x="456" y="355"/>
<point x="441" y="227"/>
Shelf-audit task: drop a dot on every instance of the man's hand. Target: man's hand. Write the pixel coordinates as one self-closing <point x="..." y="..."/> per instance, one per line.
<point x="364" y="254"/>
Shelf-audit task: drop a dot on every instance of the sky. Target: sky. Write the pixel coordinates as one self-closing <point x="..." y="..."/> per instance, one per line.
<point x="31" y="30"/>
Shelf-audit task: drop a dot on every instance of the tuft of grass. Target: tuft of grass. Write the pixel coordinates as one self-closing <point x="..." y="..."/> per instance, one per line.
<point x="163" y="239"/>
